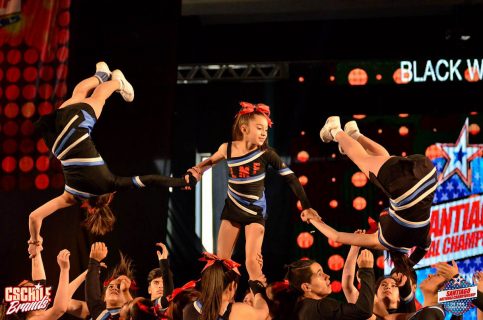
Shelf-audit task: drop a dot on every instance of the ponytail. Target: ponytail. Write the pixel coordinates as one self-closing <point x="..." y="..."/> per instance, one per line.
<point x="100" y="219"/>
<point x="214" y="280"/>
<point x="401" y="262"/>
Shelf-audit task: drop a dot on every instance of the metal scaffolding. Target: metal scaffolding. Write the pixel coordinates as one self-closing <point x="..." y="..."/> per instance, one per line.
<point x="204" y="73"/>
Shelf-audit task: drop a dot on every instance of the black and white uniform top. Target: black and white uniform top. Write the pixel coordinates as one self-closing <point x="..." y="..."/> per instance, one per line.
<point x="193" y="311"/>
<point x="410" y="183"/>
<point x="67" y="133"/>
<point x="246" y="202"/>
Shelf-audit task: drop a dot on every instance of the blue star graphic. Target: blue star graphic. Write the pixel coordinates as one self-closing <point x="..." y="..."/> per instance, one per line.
<point x="459" y="157"/>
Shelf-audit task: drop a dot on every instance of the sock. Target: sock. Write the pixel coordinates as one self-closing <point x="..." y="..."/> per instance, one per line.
<point x="102" y="76"/>
<point x="334" y="132"/>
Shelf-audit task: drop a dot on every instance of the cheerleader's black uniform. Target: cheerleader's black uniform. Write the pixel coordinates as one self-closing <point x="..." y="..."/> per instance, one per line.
<point x="410" y="183"/>
<point x="66" y="132"/>
<point x="245" y="202"/>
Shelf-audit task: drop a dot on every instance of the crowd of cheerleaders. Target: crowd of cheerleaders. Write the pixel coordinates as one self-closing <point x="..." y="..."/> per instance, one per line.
<point x="409" y="182"/>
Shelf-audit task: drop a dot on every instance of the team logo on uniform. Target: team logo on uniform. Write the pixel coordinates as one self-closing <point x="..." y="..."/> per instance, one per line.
<point x="25" y="297"/>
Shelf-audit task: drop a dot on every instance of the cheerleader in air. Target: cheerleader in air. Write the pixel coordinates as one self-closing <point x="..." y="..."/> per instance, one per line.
<point x="248" y="157"/>
<point x="88" y="181"/>
<point x="409" y="183"/>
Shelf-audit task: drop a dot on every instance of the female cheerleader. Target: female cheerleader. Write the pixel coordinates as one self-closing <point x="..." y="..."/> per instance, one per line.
<point x="248" y="157"/>
<point x="88" y="180"/>
<point x="409" y="182"/>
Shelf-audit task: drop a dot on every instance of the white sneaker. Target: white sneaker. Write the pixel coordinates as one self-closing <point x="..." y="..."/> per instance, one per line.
<point x="102" y="72"/>
<point x="331" y="124"/>
<point x="352" y="130"/>
<point x="126" y="91"/>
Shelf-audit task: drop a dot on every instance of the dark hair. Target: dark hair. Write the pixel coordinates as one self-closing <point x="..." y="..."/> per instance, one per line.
<point x="182" y="299"/>
<point x="299" y="272"/>
<point x="142" y="309"/>
<point x="412" y="275"/>
<point x="100" y="219"/>
<point x="282" y="304"/>
<point x="125" y="267"/>
<point x="241" y="119"/>
<point x="214" y="280"/>
<point x="401" y="262"/>
<point x="153" y="274"/>
<point x="379" y="281"/>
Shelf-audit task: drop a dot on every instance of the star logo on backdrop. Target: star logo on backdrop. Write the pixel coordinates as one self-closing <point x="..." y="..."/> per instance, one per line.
<point x="459" y="156"/>
<point x="38" y="286"/>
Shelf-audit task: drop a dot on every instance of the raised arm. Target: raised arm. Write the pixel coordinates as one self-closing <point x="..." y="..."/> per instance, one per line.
<point x="77" y="308"/>
<point x="93" y="286"/>
<point x="348" y="273"/>
<point x="166" y="275"/>
<point x="38" y="270"/>
<point x="38" y="215"/>
<point x="361" y="240"/>
<point x="61" y="300"/>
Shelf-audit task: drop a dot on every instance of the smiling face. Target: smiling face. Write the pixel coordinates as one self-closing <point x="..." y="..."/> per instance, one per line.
<point x="319" y="286"/>
<point x="255" y="131"/>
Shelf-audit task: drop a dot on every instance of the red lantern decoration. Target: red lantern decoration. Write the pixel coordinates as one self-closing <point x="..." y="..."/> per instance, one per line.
<point x="303" y="156"/>
<point x="357" y="77"/>
<point x="41" y="146"/>
<point x="42" y="181"/>
<point x="359" y="116"/>
<point x="474" y="129"/>
<point x="333" y="204"/>
<point x="396" y="76"/>
<point x="9" y="164"/>
<point x="334" y="244"/>
<point x="433" y="152"/>
<point x="303" y="180"/>
<point x="335" y="262"/>
<point x="359" y="203"/>
<point x="403" y="131"/>
<point x="26" y="164"/>
<point x="299" y="205"/>
<point x="305" y="240"/>
<point x="336" y="286"/>
<point x="359" y="179"/>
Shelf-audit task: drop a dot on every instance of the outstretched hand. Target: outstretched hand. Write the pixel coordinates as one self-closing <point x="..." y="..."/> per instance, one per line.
<point x="365" y="259"/>
<point x="63" y="259"/>
<point x="195" y="173"/>
<point x="445" y="270"/>
<point x="164" y="251"/>
<point x="310" y="214"/>
<point x="125" y="283"/>
<point x="98" y="251"/>
<point x="35" y="246"/>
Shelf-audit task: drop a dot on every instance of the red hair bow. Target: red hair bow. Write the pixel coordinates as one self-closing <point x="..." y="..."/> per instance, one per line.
<point x="247" y="107"/>
<point x="176" y="291"/>
<point x="211" y="258"/>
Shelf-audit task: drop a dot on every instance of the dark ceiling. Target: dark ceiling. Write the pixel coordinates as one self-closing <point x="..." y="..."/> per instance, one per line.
<point x="245" y="11"/>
